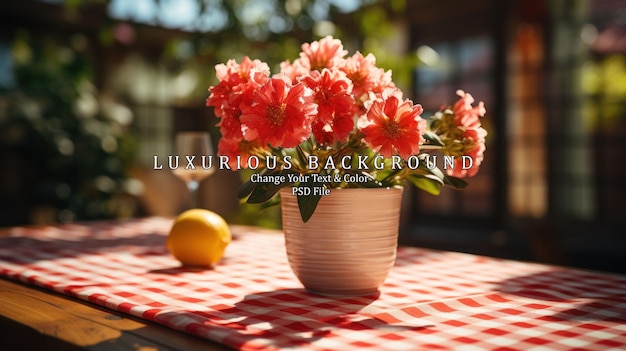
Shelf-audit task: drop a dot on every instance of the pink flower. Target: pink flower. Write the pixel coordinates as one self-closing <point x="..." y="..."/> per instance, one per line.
<point x="335" y="105"/>
<point x="294" y="70"/>
<point x="463" y="135"/>
<point x="392" y="125"/>
<point x="323" y="53"/>
<point x="475" y="141"/>
<point x="280" y="114"/>
<point x="358" y="69"/>
<point x="464" y="113"/>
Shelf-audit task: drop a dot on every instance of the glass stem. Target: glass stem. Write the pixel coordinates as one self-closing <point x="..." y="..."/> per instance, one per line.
<point x="193" y="193"/>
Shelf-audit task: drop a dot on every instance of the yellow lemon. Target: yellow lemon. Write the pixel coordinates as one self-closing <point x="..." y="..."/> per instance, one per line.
<point x="198" y="237"/>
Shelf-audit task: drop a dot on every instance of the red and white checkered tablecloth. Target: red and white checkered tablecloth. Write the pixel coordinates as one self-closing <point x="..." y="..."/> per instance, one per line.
<point x="252" y="301"/>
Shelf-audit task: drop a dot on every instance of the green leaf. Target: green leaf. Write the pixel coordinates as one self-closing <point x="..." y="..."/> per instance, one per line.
<point x="245" y="189"/>
<point x="265" y="191"/>
<point x="308" y="203"/>
<point x="271" y="203"/>
<point x="454" y="182"/>
<point x="429" y="184"/>
<point x="437" y="173"/>
<point x="434" y="178"/>
<point x="434" y="174"/>
<point x="432" y="138"/>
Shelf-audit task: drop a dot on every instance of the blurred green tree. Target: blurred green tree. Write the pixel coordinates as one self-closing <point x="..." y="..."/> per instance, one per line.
<point x="65" y="148"/>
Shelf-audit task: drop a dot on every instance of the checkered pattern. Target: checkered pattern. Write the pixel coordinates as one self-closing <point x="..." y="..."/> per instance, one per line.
<point x="252" y="301"/>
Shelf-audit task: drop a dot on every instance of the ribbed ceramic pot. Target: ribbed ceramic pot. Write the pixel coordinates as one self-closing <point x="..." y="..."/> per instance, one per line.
<point x="349" y="245"/>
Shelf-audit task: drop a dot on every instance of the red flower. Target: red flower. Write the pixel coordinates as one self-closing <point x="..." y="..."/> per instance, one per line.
<point x="237" y="82"/>
<point x="229" y="124"/>
<point x="365" y="76"/>
<point x="335" y="105"/>
<point x="280" y="114"/>
<point x="235" y="79"/>
<point x="391" y="125"/>
<point x="234" y="148"/>
<point x="310" y="107"/>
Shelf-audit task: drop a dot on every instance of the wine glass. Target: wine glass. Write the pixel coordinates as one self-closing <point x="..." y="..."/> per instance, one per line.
<point x="188" y="145"/>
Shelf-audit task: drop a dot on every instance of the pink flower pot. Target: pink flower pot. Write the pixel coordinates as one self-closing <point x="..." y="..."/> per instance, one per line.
<point x="349" y="245"/>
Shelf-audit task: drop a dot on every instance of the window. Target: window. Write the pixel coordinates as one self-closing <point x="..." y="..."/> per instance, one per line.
<point x="588" y="111"/>
<point x="526" y="121"/>
<point x="466" y="64"/>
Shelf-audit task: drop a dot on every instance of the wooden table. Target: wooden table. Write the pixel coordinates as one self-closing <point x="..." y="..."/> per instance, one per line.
<point x="113" y="286"/>
<point x="35" y="319"/>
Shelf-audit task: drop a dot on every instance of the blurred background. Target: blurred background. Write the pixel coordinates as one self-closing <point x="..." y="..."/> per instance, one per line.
<point x="91" y="91"/>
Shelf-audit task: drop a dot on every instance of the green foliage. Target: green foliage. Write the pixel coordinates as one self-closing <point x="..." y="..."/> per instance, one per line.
<point x="68" y="155"/>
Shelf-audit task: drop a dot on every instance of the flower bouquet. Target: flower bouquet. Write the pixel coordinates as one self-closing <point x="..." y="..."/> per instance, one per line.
<point x="328" y="121"/>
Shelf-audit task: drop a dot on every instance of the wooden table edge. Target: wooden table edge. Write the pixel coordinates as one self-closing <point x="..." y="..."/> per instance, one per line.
<point x="33" y="318"/>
